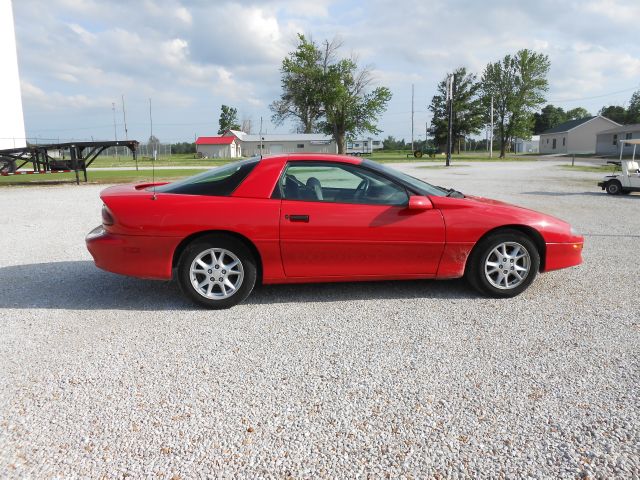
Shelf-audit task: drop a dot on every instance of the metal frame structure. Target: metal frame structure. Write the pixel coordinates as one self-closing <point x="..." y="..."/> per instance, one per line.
<point x="81" y="155"/>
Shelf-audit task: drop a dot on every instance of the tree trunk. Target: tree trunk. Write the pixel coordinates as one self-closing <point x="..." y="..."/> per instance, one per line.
<point x="339" y="137"/>
<point x="502" y="140"/>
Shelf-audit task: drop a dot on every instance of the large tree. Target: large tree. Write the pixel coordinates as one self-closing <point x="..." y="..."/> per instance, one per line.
<point x="228" y="119"/>
<point x="301" y="98"/>
<point x="633" y="111"/>
<point x="517" y="84"/>
<point x="577" y="113"/>
<point x="323" y="93"/>
<point x="468" y="109"/>
<point x="349" y="107"/>
<point x="549" y="117"/>
<point x="616" y="113"/>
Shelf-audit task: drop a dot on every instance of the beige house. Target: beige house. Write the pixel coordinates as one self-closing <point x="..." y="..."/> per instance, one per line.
<point x="575" y="136"/>
<point x="607" y="141"/>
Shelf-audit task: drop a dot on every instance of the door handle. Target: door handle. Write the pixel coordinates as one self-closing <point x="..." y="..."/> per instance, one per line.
<point x="298" y="218"/>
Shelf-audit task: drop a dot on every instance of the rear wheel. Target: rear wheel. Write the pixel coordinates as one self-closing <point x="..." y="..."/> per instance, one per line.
<point x="417" y="154"/>
<point x="217" y="271"/>
<point x="614" y="187"/>
<point x="503" y="264"/>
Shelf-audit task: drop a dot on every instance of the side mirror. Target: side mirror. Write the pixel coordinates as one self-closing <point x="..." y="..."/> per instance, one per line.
<point x="417" y="203"/>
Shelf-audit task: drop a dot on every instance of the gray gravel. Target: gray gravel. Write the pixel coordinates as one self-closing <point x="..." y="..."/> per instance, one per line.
<point x="107" y="376"/>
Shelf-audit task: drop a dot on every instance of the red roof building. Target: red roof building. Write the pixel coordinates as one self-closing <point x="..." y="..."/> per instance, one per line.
<point x="215" y="140"/>
<point x="218" y="147"/>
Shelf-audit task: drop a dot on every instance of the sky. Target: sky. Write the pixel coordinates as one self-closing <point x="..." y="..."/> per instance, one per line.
<point x="79" y="57"/>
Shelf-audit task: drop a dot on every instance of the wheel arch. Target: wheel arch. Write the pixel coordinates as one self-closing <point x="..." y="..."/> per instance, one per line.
<point x="533" y="234"/>
<point x="228" y="233"/>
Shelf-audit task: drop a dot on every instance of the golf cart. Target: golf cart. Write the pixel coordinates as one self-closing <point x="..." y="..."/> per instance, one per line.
<point x="628" y="180"/>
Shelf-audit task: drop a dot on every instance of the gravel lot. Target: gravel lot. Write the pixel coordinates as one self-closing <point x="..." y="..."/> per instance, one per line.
<point x="107" y="376"/>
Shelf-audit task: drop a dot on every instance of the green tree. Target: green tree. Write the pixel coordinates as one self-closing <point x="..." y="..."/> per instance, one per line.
<point x="633" y="111"/>
<point x="323" y="93"/>
<point x="517" y="84"/>
<point x="301" y="98"/>
<point x="549" y="117"/>
<point x="349" y="108"/>
<point x="228" y="119"/>
<point x="615" y="113"/>
<point x="577" y="113"/>
<point x="469" y="111"/>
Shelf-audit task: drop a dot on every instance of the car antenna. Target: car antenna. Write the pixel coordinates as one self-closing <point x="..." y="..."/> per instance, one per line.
<point x="153" y="158"/>
<point x="261" y="138"/>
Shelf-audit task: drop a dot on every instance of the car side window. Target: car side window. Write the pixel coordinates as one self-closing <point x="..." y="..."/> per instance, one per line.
<point x="339" y="183"/>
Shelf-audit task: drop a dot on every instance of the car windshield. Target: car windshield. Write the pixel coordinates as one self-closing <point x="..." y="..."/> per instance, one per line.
<point x="220" y="181"/>
<point x="421" y="187"/>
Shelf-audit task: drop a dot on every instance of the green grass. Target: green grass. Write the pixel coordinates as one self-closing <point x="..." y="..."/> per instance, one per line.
<point x="179" y="160"/>
<point x="588" y="168"/>
<point x="96" y="176"/>
<point x="188" y="160"/>
<point x="401" y="156"/>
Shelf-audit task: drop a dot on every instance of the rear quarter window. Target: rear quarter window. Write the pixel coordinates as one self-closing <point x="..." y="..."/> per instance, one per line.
<point x="218" y="182"/>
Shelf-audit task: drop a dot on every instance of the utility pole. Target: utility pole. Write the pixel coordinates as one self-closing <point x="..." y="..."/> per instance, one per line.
<point x="491" y="131"/>
<point x="124" y="118"/>
<point x="412" y="111"/>
<point x="450" y="80"/>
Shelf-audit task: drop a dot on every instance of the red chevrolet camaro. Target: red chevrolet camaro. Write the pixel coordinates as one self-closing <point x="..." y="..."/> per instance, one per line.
<point x="320" y="218"/>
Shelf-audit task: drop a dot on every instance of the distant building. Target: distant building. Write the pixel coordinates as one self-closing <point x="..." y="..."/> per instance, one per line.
<point x="527" y="146"/>
<point x="575" y="136"/>
<point x="12" y="134"/>
<point x="219" y="147"/>
<point x="266" y="144"/>
<point x="607" y="141"/>
<point x="365" y="145"/>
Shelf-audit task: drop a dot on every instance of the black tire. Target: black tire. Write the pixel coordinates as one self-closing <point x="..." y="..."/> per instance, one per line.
<point x="417" y="154"/>
<point x="483" y="282"/>
<point x="236" y="248"/>
<point x="7" y="166"/>
<point x="614" y="187"/>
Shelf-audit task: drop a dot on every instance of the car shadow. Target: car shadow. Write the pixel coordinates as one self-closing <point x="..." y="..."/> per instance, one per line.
<point x="81" y="285"/>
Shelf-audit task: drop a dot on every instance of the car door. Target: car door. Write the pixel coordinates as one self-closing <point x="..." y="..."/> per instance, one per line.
<point x="342" y="220"/>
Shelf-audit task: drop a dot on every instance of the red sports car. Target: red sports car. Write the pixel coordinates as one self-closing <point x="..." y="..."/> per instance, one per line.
<point x="320" y="218"/>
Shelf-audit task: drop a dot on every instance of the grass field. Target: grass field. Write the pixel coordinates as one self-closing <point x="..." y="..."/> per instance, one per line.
<point x="588" y="168"/>
<point x="96" y="175"/>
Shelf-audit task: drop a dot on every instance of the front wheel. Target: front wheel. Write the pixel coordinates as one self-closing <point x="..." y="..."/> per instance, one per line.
<point x="217" y="271"/>
<point x="614" y="187"/>
<point x="503" y="264"/>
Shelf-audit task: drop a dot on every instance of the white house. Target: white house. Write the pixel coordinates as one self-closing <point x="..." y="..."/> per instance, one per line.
<point x="607" y="141"/>
<point x="219" y="147"/>
<point x="575" y="136"/>
<point x="527" y="146"/>
<point x="283" y="143"/>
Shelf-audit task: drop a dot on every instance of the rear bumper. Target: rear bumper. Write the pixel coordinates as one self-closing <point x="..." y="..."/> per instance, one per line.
<point x="563" y="255"/>
<point x="133" y="255"/>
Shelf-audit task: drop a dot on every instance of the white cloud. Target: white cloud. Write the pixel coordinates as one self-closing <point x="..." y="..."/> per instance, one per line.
<point x="192" y="56"/>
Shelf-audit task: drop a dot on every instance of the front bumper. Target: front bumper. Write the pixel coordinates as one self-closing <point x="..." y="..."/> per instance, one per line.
<point x="563" y="255"/>
<point x="133" y="255"/>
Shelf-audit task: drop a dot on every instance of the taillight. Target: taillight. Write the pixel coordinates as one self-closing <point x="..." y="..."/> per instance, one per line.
<point x="107" y="218"/>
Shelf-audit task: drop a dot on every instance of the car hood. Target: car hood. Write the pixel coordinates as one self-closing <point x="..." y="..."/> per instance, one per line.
<point x="483" y="214"/>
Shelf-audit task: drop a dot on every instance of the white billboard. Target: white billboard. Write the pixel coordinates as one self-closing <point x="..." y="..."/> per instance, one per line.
<point x="11" y="117"/>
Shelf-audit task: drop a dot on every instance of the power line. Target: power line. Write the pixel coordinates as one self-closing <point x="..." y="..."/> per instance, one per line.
<point x="595" y="96"/>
